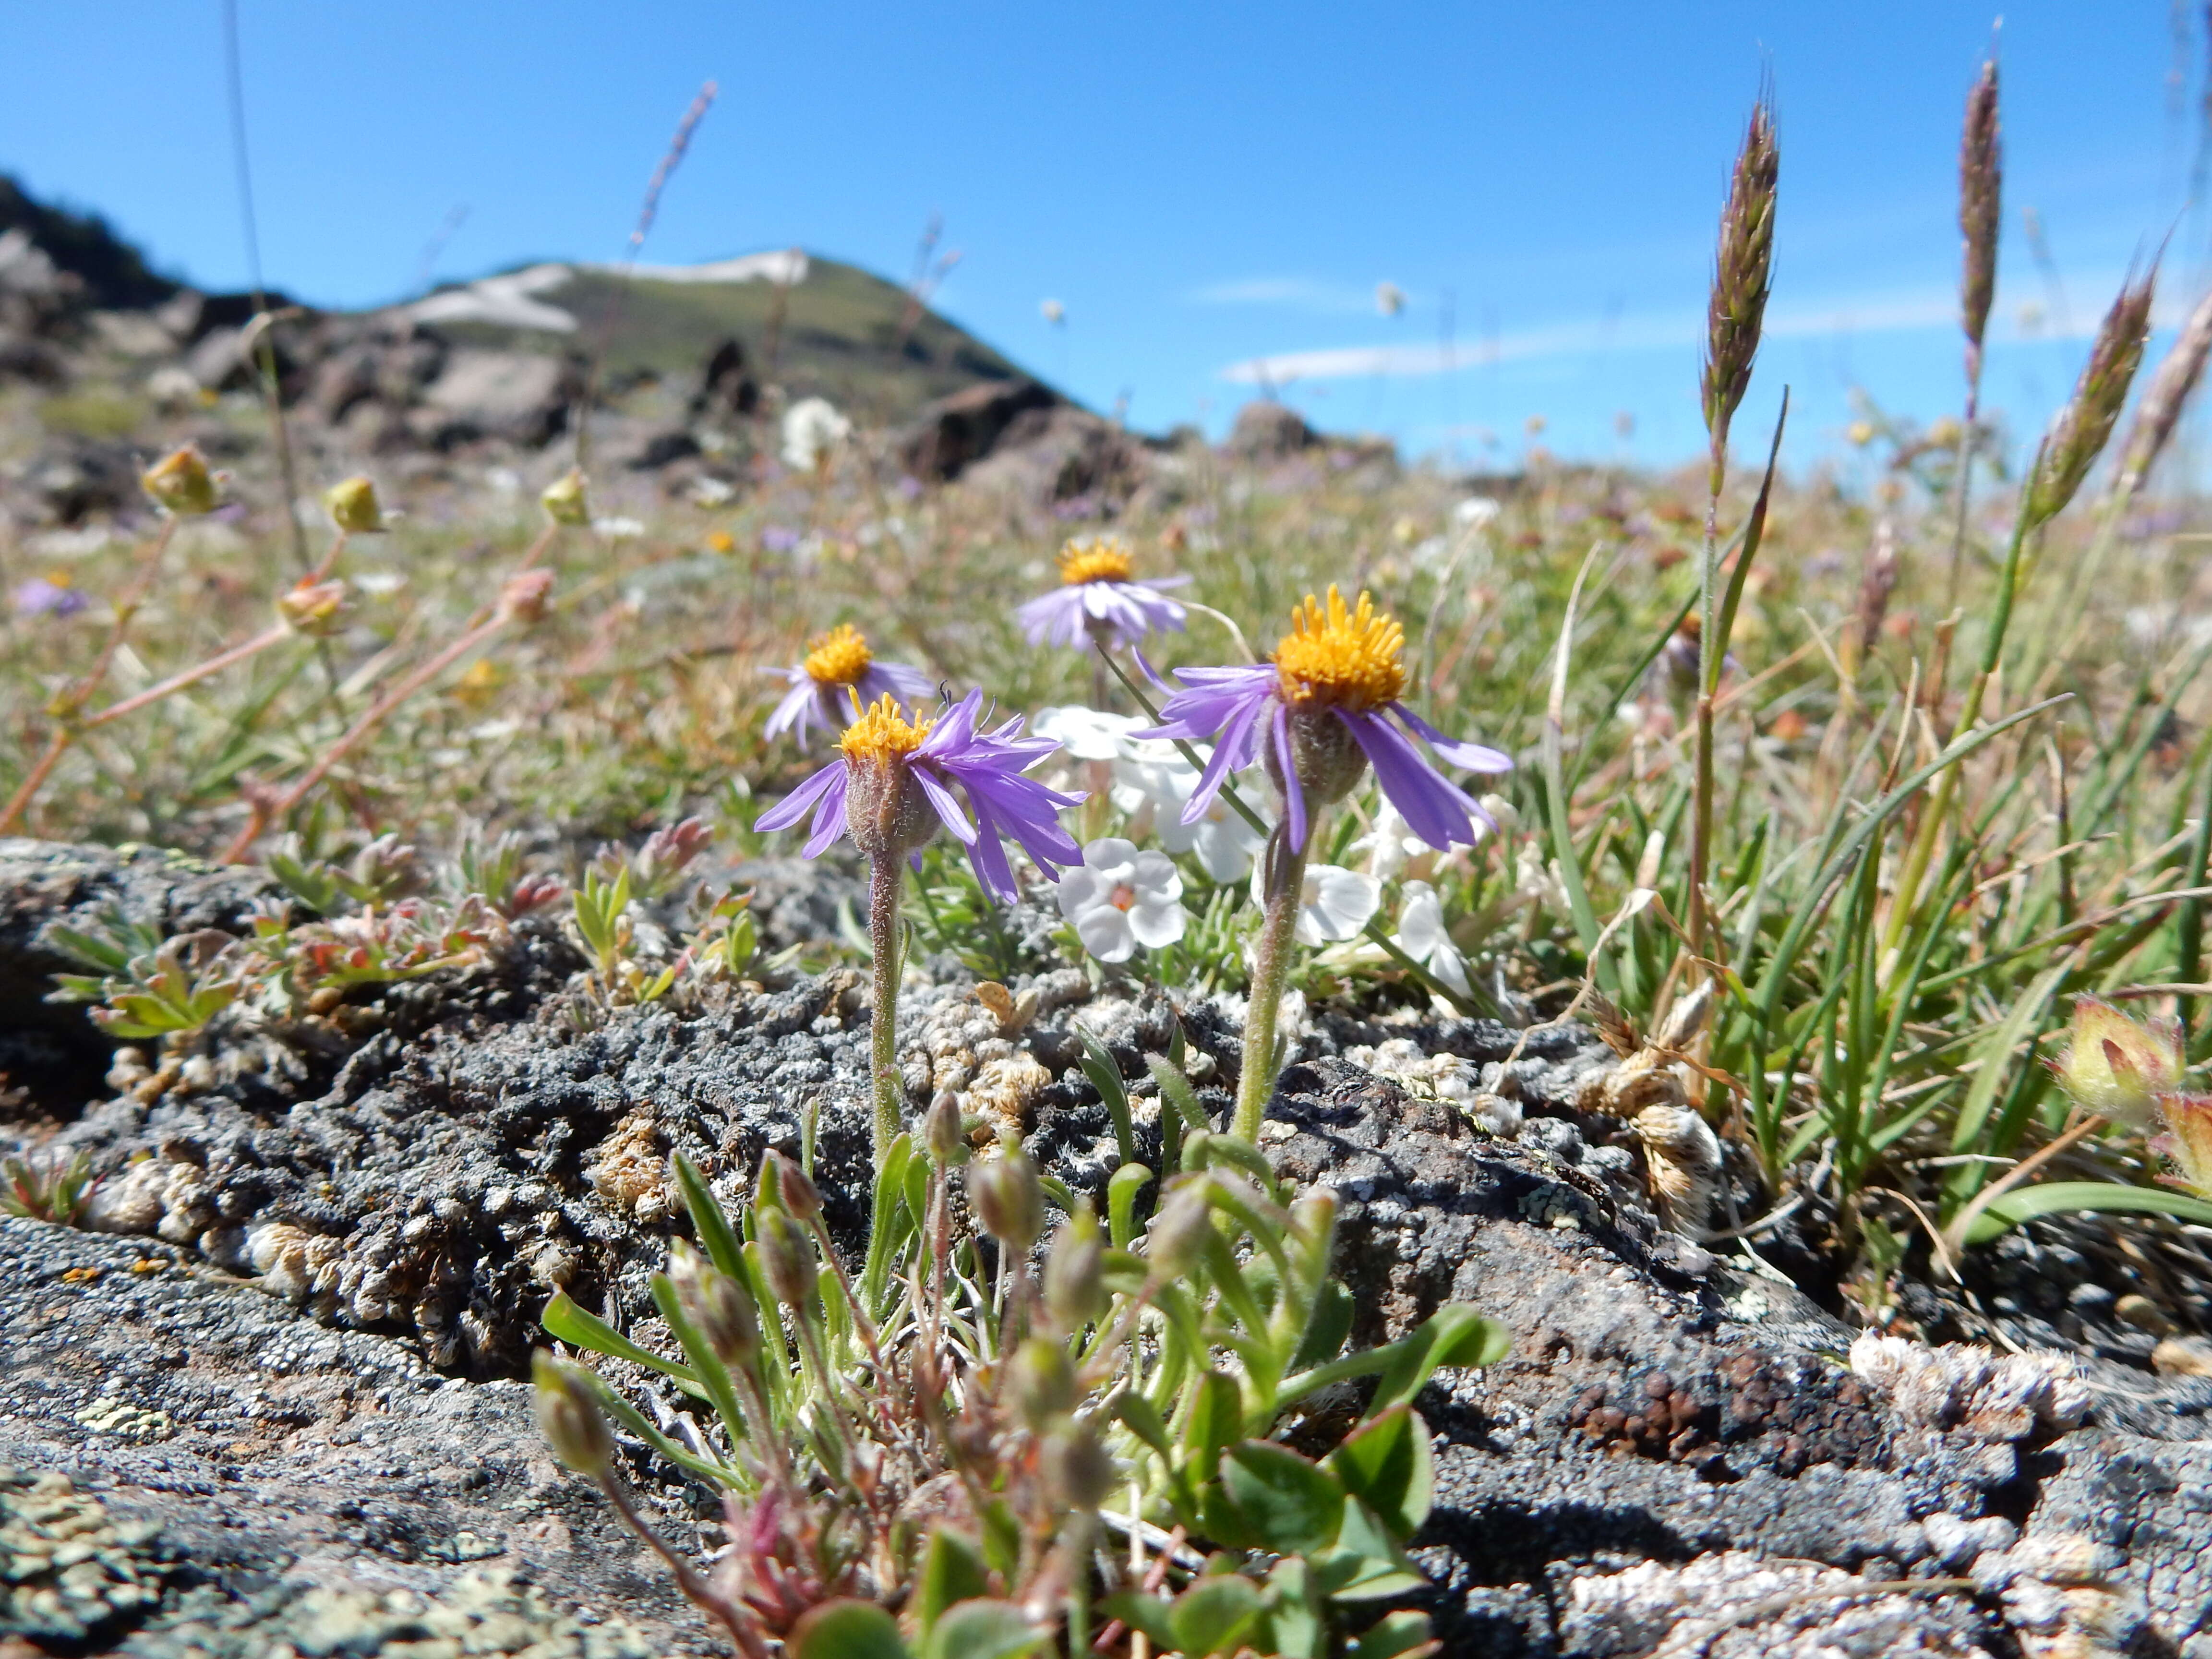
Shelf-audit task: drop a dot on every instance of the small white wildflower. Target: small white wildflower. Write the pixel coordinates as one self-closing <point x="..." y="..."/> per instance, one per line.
<point x="618" y="529"/>
<point x="1086" y="734"/>
<point x="1476" y="513"/>
<point x="712" y="492"/>
<point x="1334" y="904"/>
<point x="812" y="429"/>
<point x="1119" y="898"/>
<point x="1503" y="813"/>
<point x="1152" y="775"/>
<point x="1537" y="881"/>
<point x="1421" y="935"/>
<point x="1391" y="843"/>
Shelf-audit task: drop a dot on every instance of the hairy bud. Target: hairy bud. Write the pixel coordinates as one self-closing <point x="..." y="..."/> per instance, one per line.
<point x="1743" y="269"/>
<point x="2117" y="1066"/>
<point x="565" y="500"/>
<point x="2188" y="1139"/>
<point x="786" y="1259"/>
<point x="1078" y="1472"/>
<point x="522" y="597"/>
<point x="312" y="608"/>
<point x="1179" y="1229"/>
<point x="801" y="1195"/>
<point x="354" y="508"/>
<point x="941" y="1129"/>
<point x="719" y="1307"/>
<point x="1075" y="1273"/>
<point x="2078" y="435"/>
<point x="1041" y="1381"/>
<point x="569" y="1418"/>
<point x="181" y="483"/>
<point x="1006" y="1196"/>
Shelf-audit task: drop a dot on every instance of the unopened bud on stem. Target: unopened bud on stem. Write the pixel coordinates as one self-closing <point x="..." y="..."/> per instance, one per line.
<point x="181" y="483"/>
<point x="786" y="1259"/>
<point x="801" y="1195"/>
<point x="1042" y="1382"/>
<point x="354" y="508"/>
<point x="1075" y="1273"/>
<point x="565" y="500"/>
<point x="569" y="1418"/>
<point x="1007" y="1197"/>
<point x="941" y="1130"/>
<point x="719" y="1307"/>
<point x="1078" y="1472"/>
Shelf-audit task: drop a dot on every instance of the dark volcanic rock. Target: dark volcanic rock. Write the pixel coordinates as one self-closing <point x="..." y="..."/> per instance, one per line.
<point x="956" y="431"/>
<point x="1269" y="431"/>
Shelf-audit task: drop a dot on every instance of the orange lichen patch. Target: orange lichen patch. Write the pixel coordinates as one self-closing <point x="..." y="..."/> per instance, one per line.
<point x="882" y="733"/>
<point x="839" y="657"/>
<point x="1096" y="561"/>
<point x="1342" y="659"/>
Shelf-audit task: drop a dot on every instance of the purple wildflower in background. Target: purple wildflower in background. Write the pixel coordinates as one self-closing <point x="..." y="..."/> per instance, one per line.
<point x="42" y="596"/>
<point x="1098" y="599"/>
<point x="1317" y="714"/>
<point x="838" y="668"/>
<point x="891" y="786"/>
<point x="779" y="538"/>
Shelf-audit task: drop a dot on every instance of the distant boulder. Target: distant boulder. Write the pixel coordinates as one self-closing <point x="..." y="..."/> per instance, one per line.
<point x="724" y="386"/>
<point x="1062" y="457"/>
<point x="956" y="431"/>
<point x="517" y="396"/>
<point x="1266" y="431"/>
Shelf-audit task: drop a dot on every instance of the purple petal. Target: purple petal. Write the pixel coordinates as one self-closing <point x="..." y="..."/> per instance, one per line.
<point x="828" y="819"/>
<point x="1237" y="748"/>
<point x="792" y="807"/>
<point x="1294" y="796"/>
<point x="941" y="798"/>
<point x="1473" y="756"/>
<point x="1435" y="808"/>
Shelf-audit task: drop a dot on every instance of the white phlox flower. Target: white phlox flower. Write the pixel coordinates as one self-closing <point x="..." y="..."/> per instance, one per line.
<point x="1422" y="936"/>
<point x="1391" y="846"/>
<point x="1152" y="774"/>
<point x="1335" y="905"/>
<point x="1537" y="881"/>
<point x="1086" y="734"/>
<point x="812" y="428"/>
<point x="1119" y="898"/>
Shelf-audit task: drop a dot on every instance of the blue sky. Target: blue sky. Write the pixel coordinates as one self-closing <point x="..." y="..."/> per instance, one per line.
<point x="1201" y="185"/>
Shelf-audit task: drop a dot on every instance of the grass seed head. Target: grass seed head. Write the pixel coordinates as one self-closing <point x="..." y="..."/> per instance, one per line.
<point x="1743" y="270"/>
<point x="1981" y="189"/>
<point x="2160" y="411"/>
<point x="2079" y="434"/>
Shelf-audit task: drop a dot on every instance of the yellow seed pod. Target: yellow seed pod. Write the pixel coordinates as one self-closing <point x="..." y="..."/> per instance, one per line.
<point x="565" y="500"/>
<point x="354" y="508"/>
<point x="180" y="483"/>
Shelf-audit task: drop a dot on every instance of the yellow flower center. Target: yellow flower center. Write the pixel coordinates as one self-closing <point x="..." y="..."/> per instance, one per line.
<point x="1094" y="562"/>
<point x="1341" y="659"/>
<point x="882" y="734"/>
<point x="839" y="657"/>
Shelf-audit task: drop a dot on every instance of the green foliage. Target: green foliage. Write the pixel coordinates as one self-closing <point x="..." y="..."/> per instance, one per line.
<point x="46" y="1188"/>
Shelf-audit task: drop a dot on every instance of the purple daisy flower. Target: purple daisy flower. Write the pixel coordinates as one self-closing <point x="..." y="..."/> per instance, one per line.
<point x="1317" y="714"/>
<point x="44" y="596"/>
<point x="837" y="669"/>
<point x="1098" y="599"/>
<point x="891" y="786"/>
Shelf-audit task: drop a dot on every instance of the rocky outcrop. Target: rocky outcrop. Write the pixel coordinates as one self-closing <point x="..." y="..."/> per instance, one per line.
<point x="955" y="432"/>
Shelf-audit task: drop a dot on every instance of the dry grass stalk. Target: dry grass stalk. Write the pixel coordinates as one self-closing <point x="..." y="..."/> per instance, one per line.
<point x="1743" y="273"/>
<point x="2083" y="427"/>
<point x="2164" y="399"/>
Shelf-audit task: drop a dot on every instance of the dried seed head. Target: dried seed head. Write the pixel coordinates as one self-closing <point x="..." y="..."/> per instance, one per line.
<point x="1075" y="1273"/>
<point x="787" y="1258"/>
<point x="354" y="508"/>
<point x="2160" y="411"/>
<point x="565" y="500"/>
<point x="1981" y="188"/>
<point x="2188" y="1141"/>
<point x="2079" y="434"/>
<point x="312" y="608"/>
<point x="569" y="1418"/>
<point x="1743" y="271"/>
<point x="1078" y="1472"/>
<point x="181" y="483"/>
<point x="1006" y="1195"/>
<point x="523" y="596"/>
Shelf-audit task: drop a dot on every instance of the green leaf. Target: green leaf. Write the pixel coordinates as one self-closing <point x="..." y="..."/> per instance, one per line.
<point x="1212" y="1614"/>
<point x="846" y="1629"/>
<point x="982" y="1630"/>
<point x="1144" y="1420"/>
<point x="1291" y="1503"/>
<point x="1453" y="1336"/>
<point x="1327" y="1327"/>
<point x="1148" y="1614"/>
<point x="1002" y="1539"/>
<point x="1120" y="1202"/>
<point x="583" y="1329"/>
<point x="1216" y="1419"/>
<point x="2062" y="1197"/>
<point x="1402" y="1635"/>
<point x="1105" y="1075"/>
<point x="1387" y="1464"/>
<point x="1366" y="1563"/>
<point x="951" y="1570"/>
<point x="1296" y="1625"/>
<point x="715" y="1235"/>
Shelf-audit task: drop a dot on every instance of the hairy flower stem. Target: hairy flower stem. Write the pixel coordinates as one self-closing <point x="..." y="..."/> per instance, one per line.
<point x="1256" y="1084"/>
<point x="885" y="875"/>
<point x="701" y="1593"/>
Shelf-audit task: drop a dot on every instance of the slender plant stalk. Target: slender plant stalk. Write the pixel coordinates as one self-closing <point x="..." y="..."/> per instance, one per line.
<point x="1256" y="1084"/>
<point x="885" y="878"/>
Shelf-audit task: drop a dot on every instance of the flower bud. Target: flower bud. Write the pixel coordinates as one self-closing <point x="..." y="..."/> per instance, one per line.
<point x="2188" y="1140"/>
<point x="801" y="1195"/>
<point x="1075" y="1273"/>
<point x="786" y="1259"/>
<point x="1178" y="1230"/>
<point x="1005" y="1193"/>
<point x="569" y="1418"/>
<point x="940" y="1128"/>
<point x="1078" y="1472"/>
<point x="181" y="483"/>
<point x="719" y="1307"/>
<point x="1042" y="1382"/>
<point x="312" y="608"/>
<point x="565" y="500"/>
<point x="522" y="597"/>
<point x="354" y="508"/>
<point x="2114" y="1066"/>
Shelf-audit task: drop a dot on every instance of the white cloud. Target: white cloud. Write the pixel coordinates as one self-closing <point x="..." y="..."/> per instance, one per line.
<point x="1296" y="293"/>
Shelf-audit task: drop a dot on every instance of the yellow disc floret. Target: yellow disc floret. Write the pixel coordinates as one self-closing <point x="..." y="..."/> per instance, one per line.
<point x="839" y="657"/>
<point x="1341" y="659"/>
<point x="1101" y="561"/>
<point x="882" y="733"/>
